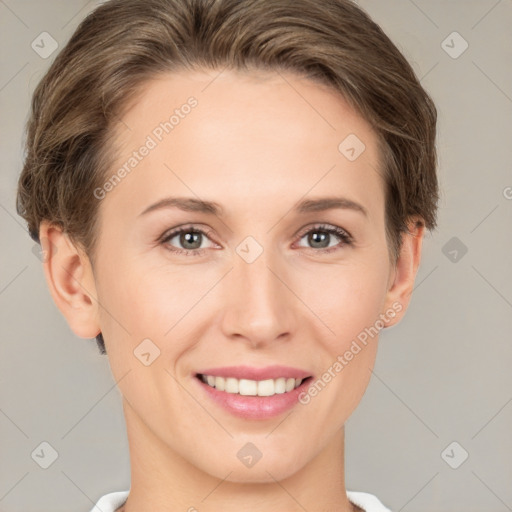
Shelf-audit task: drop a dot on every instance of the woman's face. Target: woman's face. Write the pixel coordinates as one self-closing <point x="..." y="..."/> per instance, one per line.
<point x="260" y="282"/>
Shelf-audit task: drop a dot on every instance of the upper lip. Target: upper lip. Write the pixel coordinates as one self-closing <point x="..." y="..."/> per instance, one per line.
<point x="253" y="373"/>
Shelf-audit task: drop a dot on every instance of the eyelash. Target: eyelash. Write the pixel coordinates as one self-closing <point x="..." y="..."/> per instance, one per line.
<point x="346" y="238"/>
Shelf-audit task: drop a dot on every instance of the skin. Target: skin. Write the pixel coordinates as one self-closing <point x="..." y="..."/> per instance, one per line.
<point x="256" y="143"/>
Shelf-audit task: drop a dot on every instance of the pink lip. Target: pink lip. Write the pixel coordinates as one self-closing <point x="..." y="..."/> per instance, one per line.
<point x="253" y="373"/>
<point x="255" y="407"/>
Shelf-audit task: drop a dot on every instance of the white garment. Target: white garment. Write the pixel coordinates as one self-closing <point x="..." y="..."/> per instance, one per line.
<point x="368" y="502"/>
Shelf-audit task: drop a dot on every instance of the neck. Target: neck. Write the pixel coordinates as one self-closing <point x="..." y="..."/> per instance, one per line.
<point x="163" y="480"/>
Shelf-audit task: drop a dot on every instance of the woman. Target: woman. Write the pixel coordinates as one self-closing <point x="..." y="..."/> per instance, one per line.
<point x="232" y="197"/>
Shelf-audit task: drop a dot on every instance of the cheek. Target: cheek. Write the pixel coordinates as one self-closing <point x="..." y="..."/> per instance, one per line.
<point x="142" y="301"/>
<point x="346" y="297"/>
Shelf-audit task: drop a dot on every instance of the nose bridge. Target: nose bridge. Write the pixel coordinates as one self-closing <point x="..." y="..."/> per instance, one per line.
<point x="259" y="306"/>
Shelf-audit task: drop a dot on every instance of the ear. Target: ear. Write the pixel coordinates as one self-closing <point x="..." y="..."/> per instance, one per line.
<point x="70" y="280"/>
<point x="402" y="276"/>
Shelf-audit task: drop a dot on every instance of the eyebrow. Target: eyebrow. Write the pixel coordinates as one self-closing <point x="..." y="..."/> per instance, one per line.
<point x="189" y="204"/>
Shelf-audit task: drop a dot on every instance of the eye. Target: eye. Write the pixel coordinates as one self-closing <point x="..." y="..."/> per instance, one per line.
<point x="189" y="238"/>
<point x="320" y="237"/>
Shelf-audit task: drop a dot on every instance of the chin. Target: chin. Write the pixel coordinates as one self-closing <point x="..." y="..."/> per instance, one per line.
<point x="260" y="473"/>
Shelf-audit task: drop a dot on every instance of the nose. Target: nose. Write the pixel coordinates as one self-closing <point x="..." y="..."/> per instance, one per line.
<point x="259" y="306"/>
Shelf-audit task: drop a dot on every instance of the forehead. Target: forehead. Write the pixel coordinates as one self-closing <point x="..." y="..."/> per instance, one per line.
<point x="255" y="134"/>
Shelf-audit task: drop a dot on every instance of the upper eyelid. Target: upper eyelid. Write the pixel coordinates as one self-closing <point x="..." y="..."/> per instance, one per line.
<point x="186" y="227"/>
<point x="323" y="226"/>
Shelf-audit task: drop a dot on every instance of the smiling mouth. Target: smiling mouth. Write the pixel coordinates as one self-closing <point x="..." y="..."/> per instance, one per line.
<point x="248" y="387"/>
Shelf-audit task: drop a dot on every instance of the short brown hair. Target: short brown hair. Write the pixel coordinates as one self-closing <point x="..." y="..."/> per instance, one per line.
<point x="122" y="44"/>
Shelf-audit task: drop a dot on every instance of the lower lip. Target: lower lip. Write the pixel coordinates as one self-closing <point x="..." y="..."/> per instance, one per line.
<point x="255" y="407"/>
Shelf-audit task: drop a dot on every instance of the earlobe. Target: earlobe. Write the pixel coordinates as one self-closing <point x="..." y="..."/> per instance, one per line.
<point x="69" y="276"/>
<point x="400" y="290"/>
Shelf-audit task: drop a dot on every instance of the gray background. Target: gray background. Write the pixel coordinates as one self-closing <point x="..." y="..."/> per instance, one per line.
<point x="442" y="375"/>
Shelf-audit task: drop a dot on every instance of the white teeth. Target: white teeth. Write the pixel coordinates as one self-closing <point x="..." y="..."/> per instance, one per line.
<point x="249" y="387"/>
<point x="280" y="385"/>
<point x="220" y="383"/>
<point x="265" y="387"/>
<point x="231" y="385"/>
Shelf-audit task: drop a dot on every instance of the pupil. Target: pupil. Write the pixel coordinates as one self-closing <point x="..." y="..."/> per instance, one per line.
<point x="314" y="238"/>
<point x="189" y="238"/>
